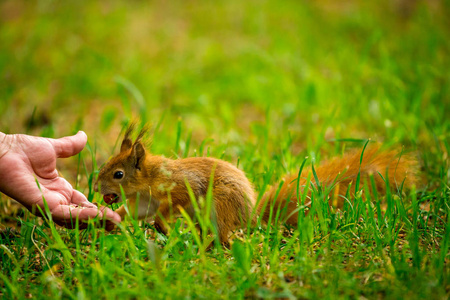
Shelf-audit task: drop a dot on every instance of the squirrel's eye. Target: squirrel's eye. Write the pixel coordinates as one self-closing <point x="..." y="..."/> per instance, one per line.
<point x="118" y="175"/>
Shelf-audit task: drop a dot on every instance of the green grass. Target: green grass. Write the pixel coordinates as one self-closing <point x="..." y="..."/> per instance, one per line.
<point x="262" y="84"/>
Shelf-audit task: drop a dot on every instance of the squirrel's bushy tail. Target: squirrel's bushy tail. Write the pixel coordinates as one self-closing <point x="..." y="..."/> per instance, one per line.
<point x="336" y="175"/>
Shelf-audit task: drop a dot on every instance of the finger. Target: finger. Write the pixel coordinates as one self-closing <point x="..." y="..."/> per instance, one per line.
<point x="80" y="199"/>
<point x="110" y="214"/>
<point x="69" y="145"/>
<point x="71" y="212"/>
<point x="67" y="215"/>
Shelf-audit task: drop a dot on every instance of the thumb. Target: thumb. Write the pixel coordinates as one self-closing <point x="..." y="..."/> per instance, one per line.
<point x="69" y="145"/>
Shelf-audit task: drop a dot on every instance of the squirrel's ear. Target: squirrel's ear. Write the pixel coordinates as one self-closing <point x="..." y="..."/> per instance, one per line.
<point x="138" y="154"/>
<point x="126" y="144"/>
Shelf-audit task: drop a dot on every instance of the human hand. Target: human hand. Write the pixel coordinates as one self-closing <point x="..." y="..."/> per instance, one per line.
<point x="26" y="159"/>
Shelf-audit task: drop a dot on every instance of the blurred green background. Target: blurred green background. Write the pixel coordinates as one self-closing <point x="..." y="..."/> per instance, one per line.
<point x="251" y="78"/>
<point x="262" y="84"/>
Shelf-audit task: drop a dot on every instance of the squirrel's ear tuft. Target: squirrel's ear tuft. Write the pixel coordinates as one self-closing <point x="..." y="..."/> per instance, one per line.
<point x="126" y="144"/>
<point x="138" y="154"/>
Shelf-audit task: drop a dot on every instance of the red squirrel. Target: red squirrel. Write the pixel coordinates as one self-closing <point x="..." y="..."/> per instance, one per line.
<point x="161" y="184"/>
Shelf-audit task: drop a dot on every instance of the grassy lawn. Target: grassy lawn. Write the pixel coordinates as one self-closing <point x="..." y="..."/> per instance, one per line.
<point x="261" y="84"/>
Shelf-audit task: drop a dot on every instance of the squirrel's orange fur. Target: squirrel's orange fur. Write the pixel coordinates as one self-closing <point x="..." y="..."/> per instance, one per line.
<point x="161" y="184"/>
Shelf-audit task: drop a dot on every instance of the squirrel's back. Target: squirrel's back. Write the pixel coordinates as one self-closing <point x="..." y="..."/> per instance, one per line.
<point x="335" y="177"/>
<point x="227" y="179"/>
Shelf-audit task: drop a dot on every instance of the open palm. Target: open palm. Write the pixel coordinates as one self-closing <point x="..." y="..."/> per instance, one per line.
<point x="26" y="159"/>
